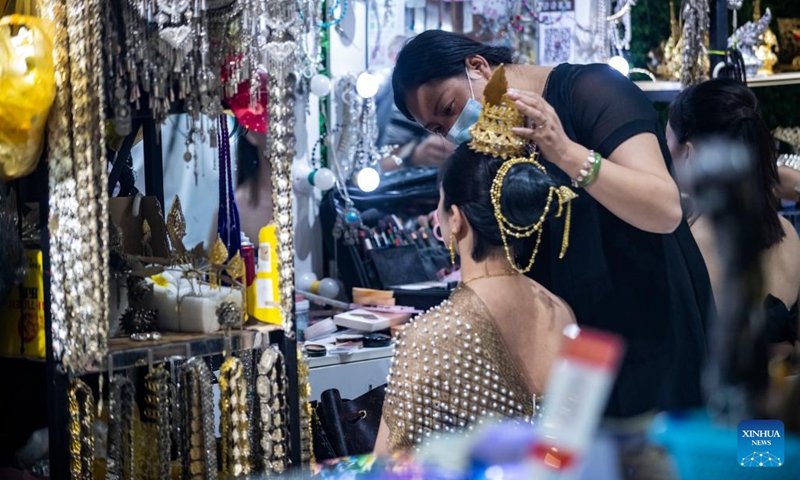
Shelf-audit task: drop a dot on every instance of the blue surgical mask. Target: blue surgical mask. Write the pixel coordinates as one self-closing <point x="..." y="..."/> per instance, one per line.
<point x="459" y="132"/>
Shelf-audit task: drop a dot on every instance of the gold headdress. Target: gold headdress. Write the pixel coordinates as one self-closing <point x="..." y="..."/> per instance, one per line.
<point x="492" y="135"/>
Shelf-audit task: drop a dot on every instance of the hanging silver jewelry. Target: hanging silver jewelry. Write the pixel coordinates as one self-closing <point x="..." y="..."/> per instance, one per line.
<point x="696" y="23"/>
<point x="271" y="388"/>
<point x="281" y="56"/>
<point x="157" y="410"/>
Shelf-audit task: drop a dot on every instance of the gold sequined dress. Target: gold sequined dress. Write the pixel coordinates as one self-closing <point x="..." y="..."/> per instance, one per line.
<point x="451" y="368"/>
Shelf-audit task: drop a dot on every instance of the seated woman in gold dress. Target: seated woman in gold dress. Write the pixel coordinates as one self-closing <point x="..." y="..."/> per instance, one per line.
<point x="488" y="349"/>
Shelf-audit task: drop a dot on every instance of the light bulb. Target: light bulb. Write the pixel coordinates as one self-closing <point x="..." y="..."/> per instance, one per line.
<point x="320" y="85"/>
<point x="328" y="288"/>
<point x="619" y="64"/>
<point x="367" y="85"/>
<point x="324" y="179"/>
<point x="368" y="179"/>
<point x="300" y="177"/>
<point x="305" y="281"/>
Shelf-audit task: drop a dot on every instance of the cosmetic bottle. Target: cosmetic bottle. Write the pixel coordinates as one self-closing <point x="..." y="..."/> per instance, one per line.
<point x="577" y="393"/>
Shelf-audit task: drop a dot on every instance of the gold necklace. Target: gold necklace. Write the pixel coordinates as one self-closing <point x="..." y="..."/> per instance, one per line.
<point x="490" y="275"/>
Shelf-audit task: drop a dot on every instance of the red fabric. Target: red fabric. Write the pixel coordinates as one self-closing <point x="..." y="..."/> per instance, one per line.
<point x="252" y="117"/>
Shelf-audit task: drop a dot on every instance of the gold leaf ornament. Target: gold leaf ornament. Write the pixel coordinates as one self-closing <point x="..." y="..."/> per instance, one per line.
<point x="176" y="222"/>
<point x="235" y="267"/>
<point x="219" y="253"/>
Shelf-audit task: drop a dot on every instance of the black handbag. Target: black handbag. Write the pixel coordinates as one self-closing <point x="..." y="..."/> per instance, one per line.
<point x="343" y="428"/>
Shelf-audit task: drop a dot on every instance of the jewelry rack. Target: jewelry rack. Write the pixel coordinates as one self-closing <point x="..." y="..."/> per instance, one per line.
<point x="124" y="353"/>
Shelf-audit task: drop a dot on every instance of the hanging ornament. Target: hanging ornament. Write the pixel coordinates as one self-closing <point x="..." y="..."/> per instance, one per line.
<point x="321" y="85"/>
<point x="322" y="178"/>
<point x="696" y="22"/>
<point x="251" y="112"/>
<point x="348" y="224"/>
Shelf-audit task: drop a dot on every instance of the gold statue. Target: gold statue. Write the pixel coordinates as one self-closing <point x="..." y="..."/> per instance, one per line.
<point x="766" y="51"/>
<point x="670" y="67"/>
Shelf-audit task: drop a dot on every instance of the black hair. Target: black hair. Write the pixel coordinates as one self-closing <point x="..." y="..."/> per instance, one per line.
<point x="248" y="161"/>
<point x="727" y="108"/>
<point x="436" y="55"/>
<point x="466" y="179"/>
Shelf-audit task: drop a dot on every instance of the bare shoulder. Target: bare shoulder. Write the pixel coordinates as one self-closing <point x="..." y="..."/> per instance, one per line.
<point x="791" y="238"/>
<point x="790" y="246"/>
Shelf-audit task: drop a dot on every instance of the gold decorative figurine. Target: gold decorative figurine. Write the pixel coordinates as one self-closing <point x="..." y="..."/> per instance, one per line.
<point x="670" y="67"/>
<point x="766" y="51"/>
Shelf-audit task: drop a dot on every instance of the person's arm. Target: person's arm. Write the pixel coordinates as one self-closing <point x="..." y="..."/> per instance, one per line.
<point x="633" y="182"/>
<point x="789" y="187"/>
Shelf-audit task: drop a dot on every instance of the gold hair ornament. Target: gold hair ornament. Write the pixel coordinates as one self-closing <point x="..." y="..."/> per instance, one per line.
<point x="492" y="134"/>
<point x="563" y="194"/>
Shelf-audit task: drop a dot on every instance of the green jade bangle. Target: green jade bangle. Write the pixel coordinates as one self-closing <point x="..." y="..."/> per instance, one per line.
<point x="595" y="169"/>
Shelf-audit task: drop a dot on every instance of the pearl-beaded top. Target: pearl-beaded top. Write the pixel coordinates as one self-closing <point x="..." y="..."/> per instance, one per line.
<point x="451" y="369"/>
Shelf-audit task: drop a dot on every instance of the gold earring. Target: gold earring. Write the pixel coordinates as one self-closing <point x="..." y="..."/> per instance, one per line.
<point x="452" y="247"/>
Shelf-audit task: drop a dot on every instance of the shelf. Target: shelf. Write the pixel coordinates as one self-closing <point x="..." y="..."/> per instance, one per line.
<point x="126" y="353"/>
<point x="666" y="91"/>
<point x="779" y="79"/>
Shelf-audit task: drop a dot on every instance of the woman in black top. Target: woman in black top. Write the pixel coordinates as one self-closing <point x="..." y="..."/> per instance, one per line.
<point x="729" y="110"/>
<point x="632" y="265"/>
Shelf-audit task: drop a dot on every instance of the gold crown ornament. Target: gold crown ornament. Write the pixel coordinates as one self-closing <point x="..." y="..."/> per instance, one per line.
<point x="492" y="134"/>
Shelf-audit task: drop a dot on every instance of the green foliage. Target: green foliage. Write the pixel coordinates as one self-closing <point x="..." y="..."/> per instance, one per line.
<point x="649" y="27"/>
<point x="779" y="105"/>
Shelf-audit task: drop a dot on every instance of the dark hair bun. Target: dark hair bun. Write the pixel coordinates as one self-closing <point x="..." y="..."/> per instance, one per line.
<point x="466" y="179"/>
<point x="524" y="193"/>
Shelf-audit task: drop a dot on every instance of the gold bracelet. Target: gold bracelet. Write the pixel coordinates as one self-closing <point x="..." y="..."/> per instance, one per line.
<point x="200" y="447"/>
<point x="81" y="434"/>
<point x="234" y="422"/>
<point x="306" y="432"/>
